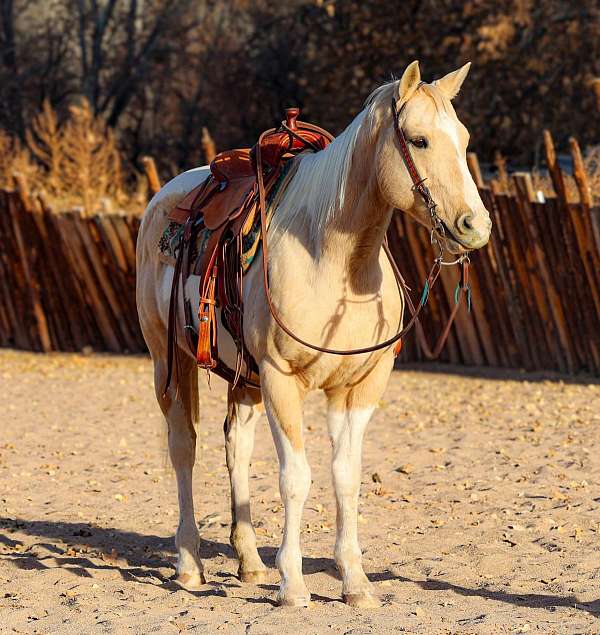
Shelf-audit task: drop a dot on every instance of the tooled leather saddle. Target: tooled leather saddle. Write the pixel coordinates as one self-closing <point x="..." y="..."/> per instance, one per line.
<point x="227" y="203"/>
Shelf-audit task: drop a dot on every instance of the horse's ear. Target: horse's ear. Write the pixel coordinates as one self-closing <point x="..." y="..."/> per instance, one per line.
<point x="450" y="84"/>
<point x="411" y="78"/>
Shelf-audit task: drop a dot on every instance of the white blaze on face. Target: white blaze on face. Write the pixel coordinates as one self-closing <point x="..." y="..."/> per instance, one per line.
<point x="450" y="127"/>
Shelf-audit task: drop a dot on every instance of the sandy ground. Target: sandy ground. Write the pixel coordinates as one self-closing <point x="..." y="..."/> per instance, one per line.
<point x="479" y="511"/>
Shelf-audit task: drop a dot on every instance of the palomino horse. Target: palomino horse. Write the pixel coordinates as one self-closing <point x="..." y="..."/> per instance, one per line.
<point x="333" y="286"/>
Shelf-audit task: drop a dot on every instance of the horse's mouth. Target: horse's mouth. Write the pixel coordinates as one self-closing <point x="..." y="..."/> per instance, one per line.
<point x="452" y="243"/>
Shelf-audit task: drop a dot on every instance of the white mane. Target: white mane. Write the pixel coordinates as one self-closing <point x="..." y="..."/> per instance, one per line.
<point x="317" y="188"/>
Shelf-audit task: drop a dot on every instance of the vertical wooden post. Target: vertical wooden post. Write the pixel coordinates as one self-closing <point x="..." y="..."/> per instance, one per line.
<point x="583" y="221"/>
<point x="555" y="172"/>
<point x="151" y="174"/>
<point x="208" y="146"/>
<point x="503" y="182"/>
<point x="30" y="279"/>
<point x="581" y="177"/>
<point x="495" y="187"/>
<point x="475" y="169"/>
<point x="524" y="186"/>
<point x="23" y="189"/>
<point x="596" y="89"/>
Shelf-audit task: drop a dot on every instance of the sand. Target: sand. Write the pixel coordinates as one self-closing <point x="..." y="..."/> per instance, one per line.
<point x="480" y="507"/>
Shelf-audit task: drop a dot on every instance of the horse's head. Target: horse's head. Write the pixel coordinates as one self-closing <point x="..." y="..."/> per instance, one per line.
<point x="437" y="141"/>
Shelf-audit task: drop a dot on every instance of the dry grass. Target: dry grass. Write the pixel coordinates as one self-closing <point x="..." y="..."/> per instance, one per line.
<point x="15" y="159"/>
<point x="76" y="163"/>
<point x="72" y="164"/>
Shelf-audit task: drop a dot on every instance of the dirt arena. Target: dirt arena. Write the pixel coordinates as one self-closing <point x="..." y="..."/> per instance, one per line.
<point x="480" y="508"/>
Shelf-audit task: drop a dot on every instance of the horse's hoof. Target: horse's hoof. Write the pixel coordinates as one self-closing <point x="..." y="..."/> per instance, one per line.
<point x="190" y="581"/>
<point x="363" y="600"/>
<point x="294" y="600"/>
<point x="254" y="577"/>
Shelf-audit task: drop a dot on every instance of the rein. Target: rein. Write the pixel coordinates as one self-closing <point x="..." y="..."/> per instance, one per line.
<point x="437" y="229"/>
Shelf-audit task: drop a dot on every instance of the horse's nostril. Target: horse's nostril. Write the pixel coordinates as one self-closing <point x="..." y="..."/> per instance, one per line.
<point x="465" y="223"/>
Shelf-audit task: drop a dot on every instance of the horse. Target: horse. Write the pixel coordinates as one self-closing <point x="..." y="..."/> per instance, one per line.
<point x="332" y="285"/>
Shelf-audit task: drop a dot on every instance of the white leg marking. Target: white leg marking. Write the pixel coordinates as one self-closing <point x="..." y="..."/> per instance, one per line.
<point x="346" y="430"/>
<point x="182" y="449"/>
<point x="294" y="484"/>
<point x="239" y="444"/>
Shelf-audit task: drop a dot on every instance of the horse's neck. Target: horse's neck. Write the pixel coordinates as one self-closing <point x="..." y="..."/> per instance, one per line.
<point x="332" y="209"/>
<point x="353" y="238"/>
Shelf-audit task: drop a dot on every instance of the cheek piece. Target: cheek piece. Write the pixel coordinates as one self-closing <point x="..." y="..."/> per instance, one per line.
<point x="437" y="226"/>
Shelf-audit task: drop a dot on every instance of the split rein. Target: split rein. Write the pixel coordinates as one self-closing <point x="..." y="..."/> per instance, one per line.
<point x="437" y="229"/>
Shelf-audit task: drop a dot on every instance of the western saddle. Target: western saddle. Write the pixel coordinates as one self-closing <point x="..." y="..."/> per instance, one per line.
<point x="228" y="203"/>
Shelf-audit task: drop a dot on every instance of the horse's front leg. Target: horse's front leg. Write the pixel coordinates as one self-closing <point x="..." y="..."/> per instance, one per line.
<point x="349" y="413"/>
<point x="283" y="404"/>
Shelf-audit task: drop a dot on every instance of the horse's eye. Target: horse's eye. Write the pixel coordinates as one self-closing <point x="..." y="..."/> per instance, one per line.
<point x="419" y="142"/>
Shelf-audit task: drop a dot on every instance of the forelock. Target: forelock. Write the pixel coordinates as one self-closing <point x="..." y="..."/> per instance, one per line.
<point x="378" y="102"/>
<point x="442" y="103"/>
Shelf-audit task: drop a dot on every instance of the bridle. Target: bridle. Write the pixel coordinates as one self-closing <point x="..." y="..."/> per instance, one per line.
<point x="437" y="226"/>
<point x="437" y="231"/>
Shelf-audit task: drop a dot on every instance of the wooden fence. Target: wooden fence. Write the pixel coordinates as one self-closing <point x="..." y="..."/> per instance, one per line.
<point x="67" y="282"/>
<point x="535" y="288"/>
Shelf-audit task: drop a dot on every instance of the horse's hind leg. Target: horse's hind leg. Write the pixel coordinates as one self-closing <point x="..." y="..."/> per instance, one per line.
<point x="180" y="408"/>
<point x="244" y="409"/>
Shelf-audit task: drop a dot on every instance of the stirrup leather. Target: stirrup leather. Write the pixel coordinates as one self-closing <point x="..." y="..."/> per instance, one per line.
<point x="206" y="353"/>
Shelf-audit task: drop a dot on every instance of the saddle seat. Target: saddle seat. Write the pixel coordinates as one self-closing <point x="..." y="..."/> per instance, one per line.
<point x="231" y="165"/>
<point x="232" y="179"/>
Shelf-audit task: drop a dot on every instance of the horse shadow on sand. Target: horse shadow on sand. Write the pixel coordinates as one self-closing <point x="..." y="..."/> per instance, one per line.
<point x="143" y="558"/>
<point x="140" y="558"/>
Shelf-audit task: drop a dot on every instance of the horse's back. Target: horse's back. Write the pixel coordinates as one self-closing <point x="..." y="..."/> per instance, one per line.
<point x="155" y="216"/>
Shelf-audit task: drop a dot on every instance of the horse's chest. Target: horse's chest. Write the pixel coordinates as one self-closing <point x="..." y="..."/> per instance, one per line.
<point x="330" y="372"/>
<point x="342" y="322"/>
<point x="320" y="306"/>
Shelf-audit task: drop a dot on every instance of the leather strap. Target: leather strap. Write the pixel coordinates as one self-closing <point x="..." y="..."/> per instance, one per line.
<point x="418" y="183"/>
<point x="431" y="278"/>
<point x="463" y="288"/>
<point x="180" y="275"/>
